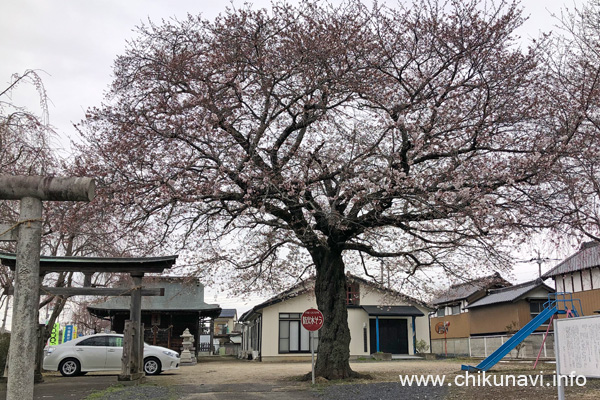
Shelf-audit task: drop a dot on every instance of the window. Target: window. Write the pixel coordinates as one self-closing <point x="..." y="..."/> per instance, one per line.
<point x="94" y="341"/>
<point x="293" y="338"/>
<point x="221" y="329"/>
<point x="456" y="309"/>
<point x="441" y="312"/>
<point x="352" y="294"/>
<point x="115" y="341"/>
<point x="536" y="307"/>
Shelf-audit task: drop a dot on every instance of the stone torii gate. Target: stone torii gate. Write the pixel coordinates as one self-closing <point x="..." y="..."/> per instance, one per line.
<point x="133" y="343"/>
<point x="31" y="191"/>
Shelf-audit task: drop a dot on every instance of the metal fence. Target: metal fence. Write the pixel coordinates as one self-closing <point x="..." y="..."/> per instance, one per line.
<point x="483" y="346"/>
<point x="204" y="347"/>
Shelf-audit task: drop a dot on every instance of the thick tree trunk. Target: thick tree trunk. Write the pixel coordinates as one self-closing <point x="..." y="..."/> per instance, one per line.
<point x="334" y="338"/>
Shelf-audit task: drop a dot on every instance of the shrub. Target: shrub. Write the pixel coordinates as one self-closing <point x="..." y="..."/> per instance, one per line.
<point x="422" y="346"/>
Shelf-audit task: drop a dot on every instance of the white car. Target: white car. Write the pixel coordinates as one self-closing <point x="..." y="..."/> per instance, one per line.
<point x="103" y="352"/>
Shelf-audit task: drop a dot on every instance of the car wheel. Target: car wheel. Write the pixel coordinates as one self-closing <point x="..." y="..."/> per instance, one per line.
<point x="69" y="367"/>
<point x="152" y="366"/>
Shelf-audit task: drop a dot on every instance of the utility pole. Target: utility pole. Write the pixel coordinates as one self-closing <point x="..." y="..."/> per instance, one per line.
<point x="31" y="191"/>
<point x="539" y="262"/>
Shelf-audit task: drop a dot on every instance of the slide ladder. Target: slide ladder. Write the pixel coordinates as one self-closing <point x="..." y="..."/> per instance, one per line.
<point x="554" y="305"/>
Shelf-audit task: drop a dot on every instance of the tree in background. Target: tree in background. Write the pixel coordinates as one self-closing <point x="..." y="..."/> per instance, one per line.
<point x="24" y="150"/>
<point x="25" y="136"/>
<point x="569" y="200"/>
<point x="69" y="229"/>
<point x="85" y="321"/>
<point x="293" y="141"/>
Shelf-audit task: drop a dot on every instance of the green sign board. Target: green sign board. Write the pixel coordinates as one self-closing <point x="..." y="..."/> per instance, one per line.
<point x="54" y="335"/>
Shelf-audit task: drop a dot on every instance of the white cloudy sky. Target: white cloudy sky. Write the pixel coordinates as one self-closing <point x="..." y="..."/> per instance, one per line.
<point x="73" y="43"/>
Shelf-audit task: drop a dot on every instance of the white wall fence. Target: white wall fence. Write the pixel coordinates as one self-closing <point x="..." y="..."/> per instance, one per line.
<point x="483" y="346"/>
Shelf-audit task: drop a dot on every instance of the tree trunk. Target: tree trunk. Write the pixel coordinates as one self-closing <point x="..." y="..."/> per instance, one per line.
<point x="334" y="336"/>
<point x="5" y="314"/>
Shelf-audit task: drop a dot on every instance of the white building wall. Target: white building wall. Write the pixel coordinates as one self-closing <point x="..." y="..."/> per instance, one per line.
<point x="539" y="293"/>
<point x="577" y="282"/>
<point x="596" y="278"/>
<point x="358" y="319"/>
<point x="560" y="285"/>
<point x="270" y="328"/>
<point x="422" y="328"/>
<point x="587" y="279"/>
<point x="372" y="296"/>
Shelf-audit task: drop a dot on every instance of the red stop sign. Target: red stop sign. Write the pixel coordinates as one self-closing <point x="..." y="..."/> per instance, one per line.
<point x="312" y="319"/>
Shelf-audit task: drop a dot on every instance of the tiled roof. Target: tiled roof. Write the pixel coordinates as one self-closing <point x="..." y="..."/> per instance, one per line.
<point x="228" y="313"/>
<point x="308" y="286"/>
<point x="464" y="290"/>
<point x="180" y="295"/>
<point x="587" y="257"/>
<point x="509" y="294"/>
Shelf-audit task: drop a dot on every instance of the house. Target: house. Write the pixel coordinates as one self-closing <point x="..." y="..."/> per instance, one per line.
<point x="225" y="322"/>
<point x="455" y="300"/>
<point x="271" y="331"/>
<point x="512" y="306"/>
<point x="226" y="333"/>
<point x="451" y="305"/>
<point x="580" y="275"/>
<point x="165" y="317"/>
<point x="484" y="315"/>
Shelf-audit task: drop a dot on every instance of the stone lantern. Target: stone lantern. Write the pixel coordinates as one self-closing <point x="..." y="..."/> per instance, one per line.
<point x="186" y="355"/>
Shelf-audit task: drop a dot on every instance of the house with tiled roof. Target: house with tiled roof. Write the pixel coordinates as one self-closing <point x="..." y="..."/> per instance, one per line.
<point x="164" y="317"/>
<point x="272" y="330"/>
<point x="489" y="306"/>
<point x="457" y="297"/>
<point x="512" y="306"/>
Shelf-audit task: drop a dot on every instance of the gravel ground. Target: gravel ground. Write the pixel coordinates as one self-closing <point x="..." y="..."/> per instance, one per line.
<point x="374" y="391"/>
<point x="383" y="391"/>
<point x="225" y="379"/>
<point x="141" y="392"/>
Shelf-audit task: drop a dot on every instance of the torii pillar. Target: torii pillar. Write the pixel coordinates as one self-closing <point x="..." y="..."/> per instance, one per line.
<point x="31" y="191"/>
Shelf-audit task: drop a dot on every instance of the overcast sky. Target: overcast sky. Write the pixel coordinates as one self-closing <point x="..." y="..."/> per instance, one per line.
<point x="73" y="43"/>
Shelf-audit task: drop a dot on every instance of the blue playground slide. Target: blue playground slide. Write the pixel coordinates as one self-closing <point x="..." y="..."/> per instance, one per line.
<point x="551" y="307"/>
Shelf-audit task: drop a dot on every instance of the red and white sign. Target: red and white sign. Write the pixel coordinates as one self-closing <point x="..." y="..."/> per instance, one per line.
<point x="312" y="319"/>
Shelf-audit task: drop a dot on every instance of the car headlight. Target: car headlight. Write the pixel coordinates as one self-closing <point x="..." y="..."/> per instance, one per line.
<point x="170" y="353"/>
<point x="50" y="350"/>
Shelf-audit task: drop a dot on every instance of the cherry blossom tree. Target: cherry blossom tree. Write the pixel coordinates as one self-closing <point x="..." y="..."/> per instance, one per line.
<point x="569" y="201"/>
<point x="293" y="141"/>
